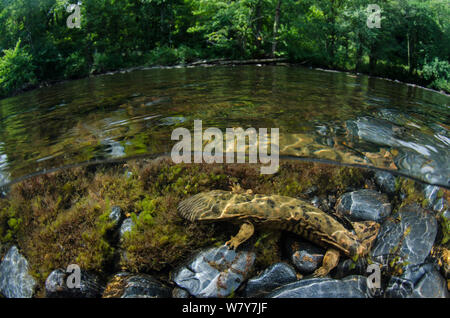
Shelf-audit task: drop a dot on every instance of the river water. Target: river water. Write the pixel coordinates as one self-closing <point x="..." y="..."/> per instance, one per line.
<point x="320" y="114"/>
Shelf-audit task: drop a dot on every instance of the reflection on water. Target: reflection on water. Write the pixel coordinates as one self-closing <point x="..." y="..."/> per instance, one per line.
<point x="320" y="115"/>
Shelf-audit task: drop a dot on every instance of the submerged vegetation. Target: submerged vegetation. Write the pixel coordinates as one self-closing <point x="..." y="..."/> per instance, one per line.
<point x="412" y="43"/>
<point x="62" y="218"/>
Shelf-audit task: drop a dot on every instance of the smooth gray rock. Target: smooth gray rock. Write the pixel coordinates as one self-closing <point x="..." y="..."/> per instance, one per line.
<point x="433" y="169"/>
<point x="432" y="285"/>
<point x="431" y="193"/>
<point x="126" y="227"/>
<point x="116" y="214"/>
<point x="179" y="293"/>
<point x="215" y="272"/>
<point x="411" y="235"/>
<point x="144" y="286"/>
<point x="305" y="256"/>
<point x="91" y="286"/>
<point x="385" y="181"/>
<point x="15" y="281"/>
<point x="364" y="205"/>
<point x="348" y="267"/>
<point x="377" y="131"/>
<point x="275" y="276"/>
<point x="418" y="281"/>
<point x="421" y="155"/>
<point x="349" y="287"/>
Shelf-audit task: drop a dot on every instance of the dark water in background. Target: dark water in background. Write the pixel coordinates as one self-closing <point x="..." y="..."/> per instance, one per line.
<point x="326" y="115"/>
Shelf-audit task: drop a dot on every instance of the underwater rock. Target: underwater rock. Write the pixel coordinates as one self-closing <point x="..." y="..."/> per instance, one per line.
<point x="215" y="272"/>
<point x="323" y="203"/>
<point x="179" y="293"/>
<point x="385" y="181"/>
<point x="305" y="256"/>
<point x="348" y="267"/>
<point x="440" y="205"/>
<point x="410" y="236"/>
<point x="15" y="281"/>
<point x="431" y="193"/>
<point x="377" y="131"/>
<point x="364" y="205"/>
<point x="432" y="285"/>
<point x="126" y="226"/>
<point x="349" y="287"/>
<point x="126" y="285"/>
<point x="421" y="155"/>
<point x="418" y="281"/>
<point x="116" y="214"/>
<point x="433" y="169"/>
<point x="112" y="148"/>
<point x="56" y="285"/>
<point x="275" y="276"/>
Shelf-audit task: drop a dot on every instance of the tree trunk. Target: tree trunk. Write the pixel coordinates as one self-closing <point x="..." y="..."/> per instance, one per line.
<point x="409" y="52"/>
<point x="359" y="54"/>
<point x="275" y="28"/>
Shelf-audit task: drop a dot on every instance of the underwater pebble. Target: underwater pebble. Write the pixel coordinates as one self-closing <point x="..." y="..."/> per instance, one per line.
<point x="431" y="193"/>
<point x="15" y="281"/>
<point x="364" y="205"/>
<point x="322" y="203"/>
<point x="126" y="226"/>
<point x="179" y="293"/>
<point x="275" y="276"/>
<point x="440" y="205"/>
<point x="377" y="131"/>
<point x="126" y="285"/>
<point x="385" y="181"/>
<point x="418" y="281"/>
<point x="411" y="234"/>
<point x="91" y="285"/>
<point x="116" y="214"/>
<point x="305" y="256"/>
<point x="348" y="267"/>
<point x="214" y="272"/>
<point x="349" y="287"/>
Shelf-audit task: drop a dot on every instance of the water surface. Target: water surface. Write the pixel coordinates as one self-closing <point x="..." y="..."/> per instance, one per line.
<point x="326" y="115"/>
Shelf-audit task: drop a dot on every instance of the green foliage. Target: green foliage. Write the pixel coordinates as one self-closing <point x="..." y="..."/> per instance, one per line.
<point x="438" y="74"/>
<point x="16" y="70"/>
<point x="163" y="56"/>
<point x="76" y="66"/>
<point x="120" y="34"/>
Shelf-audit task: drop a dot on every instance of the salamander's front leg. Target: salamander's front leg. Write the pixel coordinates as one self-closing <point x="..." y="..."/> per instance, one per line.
<point x="330" y="261"/>
<point x="245" y="232"/>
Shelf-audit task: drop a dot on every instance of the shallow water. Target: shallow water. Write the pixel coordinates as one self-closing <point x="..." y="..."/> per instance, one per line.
<point x="325" y="115"/>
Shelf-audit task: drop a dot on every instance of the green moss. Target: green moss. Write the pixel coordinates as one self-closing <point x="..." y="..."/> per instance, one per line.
<point x="445" y="226"/>
<point x="411" y="192"/>
<point x="267" y="249"/>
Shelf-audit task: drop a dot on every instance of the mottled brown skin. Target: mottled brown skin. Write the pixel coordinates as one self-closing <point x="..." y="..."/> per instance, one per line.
<point x="284" y="213"/>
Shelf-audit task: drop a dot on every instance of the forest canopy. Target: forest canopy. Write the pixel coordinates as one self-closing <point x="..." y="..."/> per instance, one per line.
<point x="412" y="43"/>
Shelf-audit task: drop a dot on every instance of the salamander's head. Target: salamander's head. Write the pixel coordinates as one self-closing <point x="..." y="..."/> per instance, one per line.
<point x="205" y="206"/>
<point x="367" y="232"/>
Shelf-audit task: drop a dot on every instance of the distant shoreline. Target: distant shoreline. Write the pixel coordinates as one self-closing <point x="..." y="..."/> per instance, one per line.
<point x="221" y="62"/>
